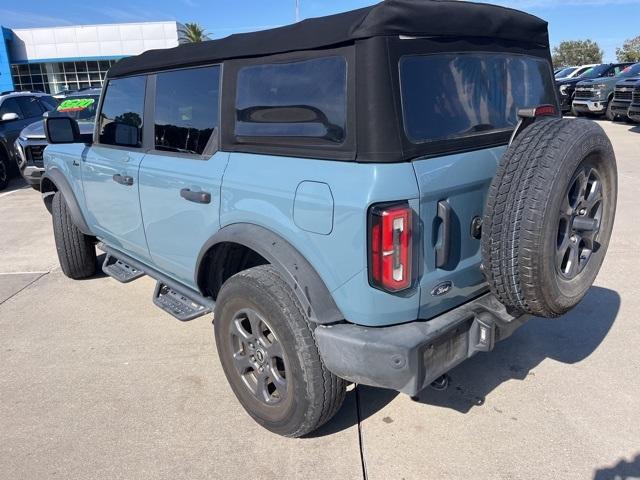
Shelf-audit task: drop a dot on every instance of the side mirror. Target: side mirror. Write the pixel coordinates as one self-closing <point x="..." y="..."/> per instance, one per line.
<point x="7" y="117"/>
<point x="61" y="130"/>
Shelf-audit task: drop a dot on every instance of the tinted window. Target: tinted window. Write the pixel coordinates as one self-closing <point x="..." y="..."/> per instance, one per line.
<point x="186" y="109"/>
<point x="565" y="72"/>
<point x="301" y="99"/>
<point x="30" y="106"/>
<point x="596" y="72"/>
<point x="10" y="105"/>
<point x="48" y="103"/>
<point x="452" y="96"/>
<point x="122" y="112"/>
<point x="631" y="71"/>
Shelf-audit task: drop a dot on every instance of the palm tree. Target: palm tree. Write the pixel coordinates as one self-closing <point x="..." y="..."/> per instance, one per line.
<point x="192" y="32"/>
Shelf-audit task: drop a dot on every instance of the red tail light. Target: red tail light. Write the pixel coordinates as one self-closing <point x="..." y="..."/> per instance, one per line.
<point x="390" y="247"/>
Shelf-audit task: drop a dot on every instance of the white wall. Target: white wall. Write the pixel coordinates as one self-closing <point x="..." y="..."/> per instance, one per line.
<point x="110" y="40"/>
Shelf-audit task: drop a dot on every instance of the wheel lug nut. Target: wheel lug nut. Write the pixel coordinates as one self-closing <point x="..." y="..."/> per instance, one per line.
<point x="252" y="358"/>
<point x="582" y="211"/>
<point x="574" y="239"/>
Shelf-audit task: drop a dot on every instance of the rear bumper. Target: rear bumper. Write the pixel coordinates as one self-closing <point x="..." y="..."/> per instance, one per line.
<point x="408" y="357"/>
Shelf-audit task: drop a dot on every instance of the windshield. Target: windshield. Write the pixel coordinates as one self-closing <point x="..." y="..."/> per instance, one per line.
<point x="79" y="108"/>
<point x="595" y="72"/>
<point x="565" y="72"/>
<point x="458" y="95"/>
<point x="630" y="71"/>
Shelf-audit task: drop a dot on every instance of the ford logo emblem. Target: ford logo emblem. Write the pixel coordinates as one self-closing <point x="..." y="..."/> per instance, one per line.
<point x="442" y="289"/>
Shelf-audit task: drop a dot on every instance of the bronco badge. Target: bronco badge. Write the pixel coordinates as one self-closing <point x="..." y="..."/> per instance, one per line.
<point x="442" y="289"/>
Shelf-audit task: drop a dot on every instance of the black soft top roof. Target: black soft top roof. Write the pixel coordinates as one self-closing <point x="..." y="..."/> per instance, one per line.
<point x="431" y="18"/>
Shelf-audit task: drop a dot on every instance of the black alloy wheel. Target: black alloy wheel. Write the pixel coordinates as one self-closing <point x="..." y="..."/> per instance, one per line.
<point x="579" y="224"/>
<point x="258" y="357"/>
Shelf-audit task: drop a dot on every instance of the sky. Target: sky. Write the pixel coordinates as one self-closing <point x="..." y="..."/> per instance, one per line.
<point x="609" y="22"/>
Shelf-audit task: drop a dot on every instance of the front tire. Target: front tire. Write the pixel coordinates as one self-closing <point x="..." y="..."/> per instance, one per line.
<point x="4" y="172"/>
<point x="609" y="115"/>
<point x="269" y="355"/>
<point x="76" y="251"/>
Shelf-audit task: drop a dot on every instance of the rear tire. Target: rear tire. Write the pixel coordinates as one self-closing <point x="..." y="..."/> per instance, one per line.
<point x="269" y="355"/>
<point x="549" y="216"/>
<point x="76" y="251"/>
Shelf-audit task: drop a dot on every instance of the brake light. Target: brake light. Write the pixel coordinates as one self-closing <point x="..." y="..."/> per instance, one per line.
<point x="390" y="247"/>
<point x="539" y="111"/>
<point x="546" y="111"/>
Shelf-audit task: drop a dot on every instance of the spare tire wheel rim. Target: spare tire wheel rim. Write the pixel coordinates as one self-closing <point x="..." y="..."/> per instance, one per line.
<point x="258" y="356"/>
<point x="579" y="222"/>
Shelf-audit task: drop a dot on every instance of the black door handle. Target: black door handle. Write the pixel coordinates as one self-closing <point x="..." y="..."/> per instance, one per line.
<point x="123" y="179"/>
<point x="443" y="248"/>
<point x="197" y="197"/>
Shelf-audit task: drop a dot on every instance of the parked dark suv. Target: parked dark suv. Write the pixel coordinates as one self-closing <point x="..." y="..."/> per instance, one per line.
<point x="17" y="110"/>
<point x="567" y="87"/>
<point x="31" y="143"/>
<point x="369" y="197"/>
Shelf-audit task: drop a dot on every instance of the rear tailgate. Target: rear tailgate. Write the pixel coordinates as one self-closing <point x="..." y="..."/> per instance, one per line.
<point x="461" y="183"/>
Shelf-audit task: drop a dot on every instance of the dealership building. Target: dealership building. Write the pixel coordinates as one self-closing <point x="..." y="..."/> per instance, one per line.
<point x="73" y="57"/>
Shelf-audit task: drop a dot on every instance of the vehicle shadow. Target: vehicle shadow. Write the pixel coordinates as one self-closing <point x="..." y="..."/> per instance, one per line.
<point x="621" y="470"/>
<point x="635" y="129"/>
<point x="99" y="273"/>
<point x="569" y="339"/>
<point x="15" y="184"/>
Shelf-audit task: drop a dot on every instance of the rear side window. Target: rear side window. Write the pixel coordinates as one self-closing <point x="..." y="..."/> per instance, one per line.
<point x="454" y="96"/>
<point x="298" y="99"/>
<point x="30" y="106"/>
<point x="186" y="109"/>
<point x="122" y="112"/>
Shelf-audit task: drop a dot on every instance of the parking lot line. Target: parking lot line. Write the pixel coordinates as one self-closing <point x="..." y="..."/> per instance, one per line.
<point x="42" y="272"/>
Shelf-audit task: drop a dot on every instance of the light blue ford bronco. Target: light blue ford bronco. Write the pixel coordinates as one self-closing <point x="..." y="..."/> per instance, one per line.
<point x="370" y="197"/>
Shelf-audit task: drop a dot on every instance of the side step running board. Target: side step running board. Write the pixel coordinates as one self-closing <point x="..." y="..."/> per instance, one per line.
<point x="118" y="269"/>
<point x="180" y="301"/>
<point x="181" y="306"/>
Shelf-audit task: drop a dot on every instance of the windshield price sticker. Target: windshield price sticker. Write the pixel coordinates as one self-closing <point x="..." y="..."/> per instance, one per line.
<point x="76" y="104"/>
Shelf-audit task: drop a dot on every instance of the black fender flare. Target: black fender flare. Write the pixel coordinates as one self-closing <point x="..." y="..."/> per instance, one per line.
<point x="57" y="178"/>
<point x="311" y="291"/>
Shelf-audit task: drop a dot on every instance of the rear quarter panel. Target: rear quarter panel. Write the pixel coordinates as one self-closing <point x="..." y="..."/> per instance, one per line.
<point x="260" y="189"/>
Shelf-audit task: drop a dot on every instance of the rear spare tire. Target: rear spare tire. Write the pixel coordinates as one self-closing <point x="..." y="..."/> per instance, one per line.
<point x="549" y="216"/>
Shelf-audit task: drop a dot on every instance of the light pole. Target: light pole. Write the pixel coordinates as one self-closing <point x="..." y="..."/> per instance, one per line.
<point x="297" y="10"/>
